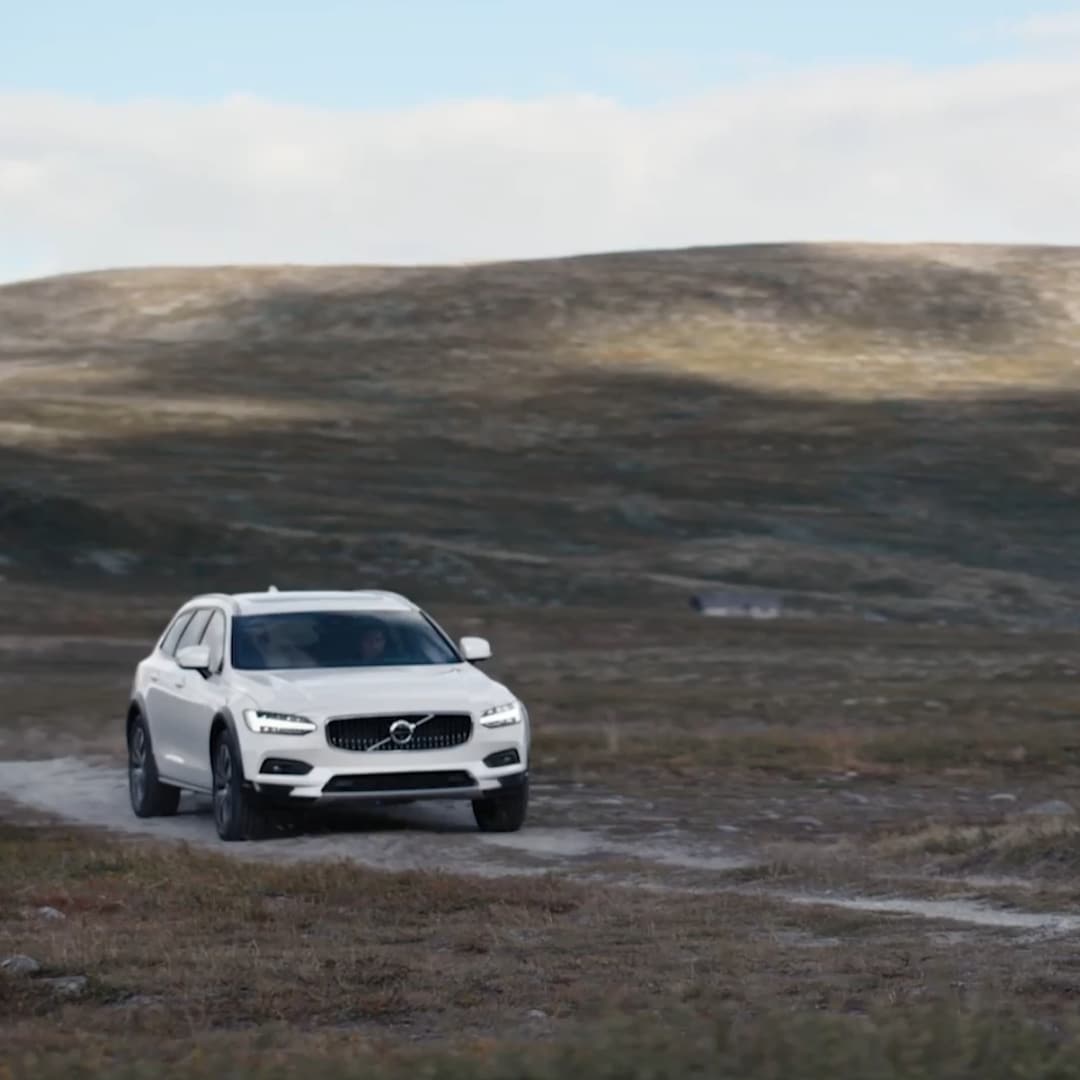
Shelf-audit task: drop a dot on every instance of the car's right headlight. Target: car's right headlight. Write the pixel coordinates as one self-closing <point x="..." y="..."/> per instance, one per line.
<point x="273" y="723"/>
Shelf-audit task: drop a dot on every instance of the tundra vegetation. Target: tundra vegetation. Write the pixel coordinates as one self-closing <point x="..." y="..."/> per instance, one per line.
<point x="558" y="455"/>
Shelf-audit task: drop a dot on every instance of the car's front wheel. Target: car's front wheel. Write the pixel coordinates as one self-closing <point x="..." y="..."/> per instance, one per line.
<point x="239" y="813"/>
<point x="149" y="796"/>
<point x="504" y="812"/>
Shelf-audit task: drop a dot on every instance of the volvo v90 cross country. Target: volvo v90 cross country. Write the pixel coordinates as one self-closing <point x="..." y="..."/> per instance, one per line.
<point x="288" y="698"/>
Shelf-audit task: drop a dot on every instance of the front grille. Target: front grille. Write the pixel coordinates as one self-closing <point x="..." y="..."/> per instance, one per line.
<point x="403" y="781"/>
<point x="441" y="732"/>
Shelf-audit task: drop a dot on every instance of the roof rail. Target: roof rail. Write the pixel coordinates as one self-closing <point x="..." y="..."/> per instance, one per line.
<point x="224" y="597"/>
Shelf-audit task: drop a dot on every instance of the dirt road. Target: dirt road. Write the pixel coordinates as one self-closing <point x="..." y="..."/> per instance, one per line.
<point x="429" y="836"/>
<point x="627" y="841"/>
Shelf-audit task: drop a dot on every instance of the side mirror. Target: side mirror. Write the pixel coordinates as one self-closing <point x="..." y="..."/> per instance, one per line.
<point x="194" y="657"/>
<point x="475" y="649"/>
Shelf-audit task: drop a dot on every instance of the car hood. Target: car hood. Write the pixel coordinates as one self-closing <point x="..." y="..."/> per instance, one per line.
<point x="428" y="688"/>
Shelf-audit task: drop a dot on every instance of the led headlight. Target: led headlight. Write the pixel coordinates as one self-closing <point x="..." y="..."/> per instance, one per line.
<point x="502" y="715"/>
<point x="272" y="723"/>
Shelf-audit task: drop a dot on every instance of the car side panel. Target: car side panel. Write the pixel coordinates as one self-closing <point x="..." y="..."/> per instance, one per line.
<point x="159" y="677"/>
<point x="151" y="691"/>
<point x="197" y="702"/>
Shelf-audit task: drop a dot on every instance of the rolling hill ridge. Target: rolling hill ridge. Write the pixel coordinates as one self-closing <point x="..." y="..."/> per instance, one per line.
<point x="887" y="430"/>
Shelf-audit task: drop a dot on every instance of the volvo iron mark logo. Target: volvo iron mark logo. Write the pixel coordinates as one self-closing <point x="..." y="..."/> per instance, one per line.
<point x="401" y="732"/>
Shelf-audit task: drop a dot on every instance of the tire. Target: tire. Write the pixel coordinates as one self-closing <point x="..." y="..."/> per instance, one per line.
<point x="149" y="796"/>
<point x="239" y="813"/>
<point x="502" y="813"/>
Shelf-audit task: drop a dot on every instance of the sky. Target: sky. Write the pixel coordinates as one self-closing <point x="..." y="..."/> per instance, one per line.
<point x="462" y="130"/>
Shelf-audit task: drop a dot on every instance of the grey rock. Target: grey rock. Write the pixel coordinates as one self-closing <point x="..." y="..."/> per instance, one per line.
<point x="855" y="798"/>
<point x="537" y="1014"/>
<point x="142" y="1001"/>
<point x="20" y="965"/>
<point x="68" y="985"/>
<point x="51" y="914"/>
<point x="1050" y="808"/>
<point x="807" y="822"/>
<point x="728" y="828"/>
<point x="1003" y="796"/>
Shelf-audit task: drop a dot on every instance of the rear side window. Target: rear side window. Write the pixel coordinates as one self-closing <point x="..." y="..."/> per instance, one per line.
<point x="193" y="632"/>
<point x="172" y="636"/>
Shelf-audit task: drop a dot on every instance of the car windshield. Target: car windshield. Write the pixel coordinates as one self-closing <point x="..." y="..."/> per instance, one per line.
<point x="336" y="639"/>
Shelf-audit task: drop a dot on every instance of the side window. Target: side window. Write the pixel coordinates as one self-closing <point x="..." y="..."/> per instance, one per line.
<point x="215" y="638"/>
<point x="193" y="632"/>
<point x="172" y="635"/>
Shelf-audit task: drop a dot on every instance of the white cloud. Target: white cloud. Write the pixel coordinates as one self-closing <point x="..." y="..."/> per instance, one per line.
<point x="986" y="153"/>
<point x="1053" y="28"/>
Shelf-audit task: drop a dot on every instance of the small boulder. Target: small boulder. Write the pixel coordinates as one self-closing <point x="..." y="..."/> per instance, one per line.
<point x="20" y="965"/>
<point x="68" y="985"/>
<point x="1003" y="796"/>
<point x="51" y="913"/>
<point x="142" y="1001"/>
<point x="807" y="822"/>
<point x="855" y="798"/>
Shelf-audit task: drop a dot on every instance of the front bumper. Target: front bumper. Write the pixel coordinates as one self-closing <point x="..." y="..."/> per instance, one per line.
<point x="333" y="774"/>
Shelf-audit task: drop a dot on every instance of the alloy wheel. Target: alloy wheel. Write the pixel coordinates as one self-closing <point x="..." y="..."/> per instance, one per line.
<point x="137" y="765"/>
<point x="223" y="777"/>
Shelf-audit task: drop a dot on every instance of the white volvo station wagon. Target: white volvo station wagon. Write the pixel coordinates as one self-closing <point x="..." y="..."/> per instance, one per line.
<point x="287" y="698"/>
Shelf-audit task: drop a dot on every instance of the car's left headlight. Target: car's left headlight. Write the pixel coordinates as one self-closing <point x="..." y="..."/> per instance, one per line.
<point x="263" y="722"/>
<point x="502" y="715"/>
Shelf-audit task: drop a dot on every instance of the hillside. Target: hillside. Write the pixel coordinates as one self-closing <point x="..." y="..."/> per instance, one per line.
<point x="864" y="429"/>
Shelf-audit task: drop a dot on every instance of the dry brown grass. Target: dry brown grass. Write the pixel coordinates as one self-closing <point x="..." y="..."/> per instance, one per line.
<point x="894" y="1044"/>
<point x="1043" y="846"/>
<point x="179" y="945"/>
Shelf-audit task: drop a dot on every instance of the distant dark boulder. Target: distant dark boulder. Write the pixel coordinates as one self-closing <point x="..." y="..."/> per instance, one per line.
<point x="738" y="605"/>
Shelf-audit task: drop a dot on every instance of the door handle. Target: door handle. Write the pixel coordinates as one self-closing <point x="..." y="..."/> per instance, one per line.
<point x="155" y="677"/>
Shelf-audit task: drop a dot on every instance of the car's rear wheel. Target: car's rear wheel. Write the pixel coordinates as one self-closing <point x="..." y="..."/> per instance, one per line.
<point x="504" y="812"/>
<point x="239" y="813"/>
<point x="149" y="796"/>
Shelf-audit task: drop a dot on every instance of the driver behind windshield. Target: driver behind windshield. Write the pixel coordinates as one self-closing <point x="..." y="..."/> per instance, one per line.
<point x="372" y="645"/>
